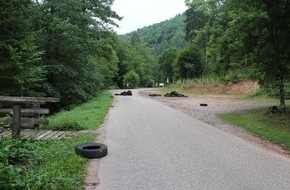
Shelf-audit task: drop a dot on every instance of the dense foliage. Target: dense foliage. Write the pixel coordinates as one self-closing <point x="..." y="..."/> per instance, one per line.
<point x="189" y="63"/>
<point x="166" y="64"/>
<point x="57" y="48"/>
<point x="137" y="64"/>
<point x="243" y="39"/>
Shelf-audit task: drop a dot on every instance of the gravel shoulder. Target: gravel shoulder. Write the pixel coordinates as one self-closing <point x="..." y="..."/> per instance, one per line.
<point x="217" y="104"/>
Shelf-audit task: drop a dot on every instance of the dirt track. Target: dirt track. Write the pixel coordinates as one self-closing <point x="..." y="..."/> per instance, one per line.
<point x="217" y="104"/>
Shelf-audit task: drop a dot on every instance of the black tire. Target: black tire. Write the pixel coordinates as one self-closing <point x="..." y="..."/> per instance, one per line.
<point x="92" y="150"/>
<point x="129" y="93"/>
<point x="203" y="104"/>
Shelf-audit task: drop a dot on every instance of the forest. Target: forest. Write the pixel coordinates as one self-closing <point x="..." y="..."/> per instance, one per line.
<point x="69" y="50"/>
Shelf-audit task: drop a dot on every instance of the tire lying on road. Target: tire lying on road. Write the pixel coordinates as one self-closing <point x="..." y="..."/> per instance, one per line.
<point x="92" y="150"/>
<point x="125" y="93"/>
<point x="174" y="94"/>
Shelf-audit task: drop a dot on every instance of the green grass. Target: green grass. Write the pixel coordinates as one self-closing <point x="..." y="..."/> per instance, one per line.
<point x="274" y="128"/>
<point x="42" y="164"/>
<point x="49" y="164"/>
<point x="87" y="116"/>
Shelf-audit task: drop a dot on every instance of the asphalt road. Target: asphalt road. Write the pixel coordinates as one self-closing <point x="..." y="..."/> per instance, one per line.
<point x="154" y="147"/>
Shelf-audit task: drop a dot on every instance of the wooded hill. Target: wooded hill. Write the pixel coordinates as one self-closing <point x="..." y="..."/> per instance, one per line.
<point x="163" y="35"/>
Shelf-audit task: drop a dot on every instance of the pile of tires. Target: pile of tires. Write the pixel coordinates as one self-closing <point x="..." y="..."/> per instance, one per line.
<point x="125" y="93"/>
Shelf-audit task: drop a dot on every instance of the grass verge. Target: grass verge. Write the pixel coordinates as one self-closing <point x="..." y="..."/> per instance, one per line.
<point x="47" y="164"/>
<point x="50" y="164"/>
<point x="87" y="116"/>
<point x="274" y="128"/>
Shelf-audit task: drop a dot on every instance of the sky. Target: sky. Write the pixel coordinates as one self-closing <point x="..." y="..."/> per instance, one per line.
<point x="139" y="13"/>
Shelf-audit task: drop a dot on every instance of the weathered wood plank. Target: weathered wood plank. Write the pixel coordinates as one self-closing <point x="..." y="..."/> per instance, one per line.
<point x="40" y="134"/>
<point x="12" y="99"/>
<point x="29" y="123"/>
<point x="25" y="133"/>
<point x="16" y="108"/>
<point x="28" y="133"/>
<point x="58" y="134"/>
<point x="48" y="136"/>
<point x="44" y="134"/>
<point x="25" y="112"/>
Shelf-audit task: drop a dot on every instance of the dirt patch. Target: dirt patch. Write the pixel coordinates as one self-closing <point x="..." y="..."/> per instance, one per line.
<point x="218" y="104"/>
<point x="244" y="87"/>
<point x="239" y="87"/>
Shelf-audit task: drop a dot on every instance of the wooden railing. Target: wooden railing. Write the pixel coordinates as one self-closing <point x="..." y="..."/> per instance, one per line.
<point x="18" y="112"/>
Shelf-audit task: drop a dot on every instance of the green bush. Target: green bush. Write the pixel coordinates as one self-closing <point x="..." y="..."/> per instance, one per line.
<point x="14" y="156"/>
<point x="132" y="79"/>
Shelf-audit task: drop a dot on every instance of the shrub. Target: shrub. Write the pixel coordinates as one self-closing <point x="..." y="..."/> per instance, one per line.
<point x="132" y="79"/>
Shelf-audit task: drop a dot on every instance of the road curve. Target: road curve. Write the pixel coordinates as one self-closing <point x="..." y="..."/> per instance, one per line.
<point x="154" y="147"/>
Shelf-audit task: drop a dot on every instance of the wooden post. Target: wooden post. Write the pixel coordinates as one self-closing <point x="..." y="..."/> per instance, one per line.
<point x="16" y="120"/>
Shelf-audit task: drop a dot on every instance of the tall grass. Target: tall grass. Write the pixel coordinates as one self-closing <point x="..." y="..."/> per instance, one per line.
<point x="86" y="116"/>
<point x="192" y="85"/>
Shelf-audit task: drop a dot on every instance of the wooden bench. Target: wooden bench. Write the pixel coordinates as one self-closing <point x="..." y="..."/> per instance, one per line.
<point x="25" y="117"/>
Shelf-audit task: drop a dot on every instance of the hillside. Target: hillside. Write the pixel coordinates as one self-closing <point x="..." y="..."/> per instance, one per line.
<point x="160" y="36"/>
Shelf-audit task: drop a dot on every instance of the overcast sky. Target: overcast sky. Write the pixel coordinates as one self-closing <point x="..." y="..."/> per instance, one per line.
<point x="139" y="13"/>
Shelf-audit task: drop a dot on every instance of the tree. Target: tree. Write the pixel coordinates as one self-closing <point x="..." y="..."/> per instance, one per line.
<point x="165" y="62"/>
<point x="135" y="39"/>
<point x="131" y="79"/>
<point x="21" y="70"/>
<point x="137" y="57"/>
<point x="78" y="44"/>
<point x="264" y="35"/>
<point x="189" y="63"/>
<point x="244" y="39"/>
<point x="206" y="24"/>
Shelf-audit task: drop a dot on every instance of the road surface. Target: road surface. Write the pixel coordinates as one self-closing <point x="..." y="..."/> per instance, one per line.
<point x="154" y="147"/>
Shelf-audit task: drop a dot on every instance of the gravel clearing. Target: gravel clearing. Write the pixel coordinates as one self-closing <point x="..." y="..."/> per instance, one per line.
<point x="217" y="104"/>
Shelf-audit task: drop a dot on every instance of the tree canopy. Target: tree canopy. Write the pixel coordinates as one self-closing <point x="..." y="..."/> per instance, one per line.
<point x="244" y="39"/>
<point x="57" y="48"/>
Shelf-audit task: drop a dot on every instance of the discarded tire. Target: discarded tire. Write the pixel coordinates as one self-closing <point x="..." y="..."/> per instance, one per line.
<point x="203" y="104"/>
<point x="125" y="93"/>
<point x="174" y="94"/>
<point x="92" y="150"/>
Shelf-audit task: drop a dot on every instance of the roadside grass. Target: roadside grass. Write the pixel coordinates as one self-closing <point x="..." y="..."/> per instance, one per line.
<point x="35" y="164"/>
<point x="274" y="128"/>
<point x="51" y="164"/>
<point x="87" y="116"/>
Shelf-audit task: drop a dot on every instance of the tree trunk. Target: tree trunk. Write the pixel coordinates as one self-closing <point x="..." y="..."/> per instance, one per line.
<point x="282" y="96"/>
